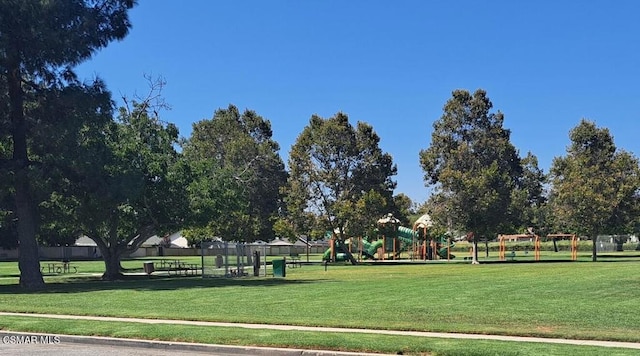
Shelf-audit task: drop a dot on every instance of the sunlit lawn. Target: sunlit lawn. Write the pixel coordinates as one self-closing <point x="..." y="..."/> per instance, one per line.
<point x="565" y="300"/>
<point x="355" y="342"/>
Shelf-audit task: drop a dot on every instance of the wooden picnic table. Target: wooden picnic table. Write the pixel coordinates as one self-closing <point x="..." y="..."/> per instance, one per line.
<point x="59" y="267"/>
<point x="295" y="260"/>
<point x="179" y="267"/>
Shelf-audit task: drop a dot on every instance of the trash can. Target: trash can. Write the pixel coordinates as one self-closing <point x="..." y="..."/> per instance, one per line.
<point x="279" y="268"/>
<point x="148" y="267"/>
<point x="219" y="261"/>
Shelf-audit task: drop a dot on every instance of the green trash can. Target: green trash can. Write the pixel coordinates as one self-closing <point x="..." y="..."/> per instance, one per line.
<point x="279" y="268"/>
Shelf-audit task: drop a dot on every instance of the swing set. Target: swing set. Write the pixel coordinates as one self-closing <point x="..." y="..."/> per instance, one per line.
<point x="536" y="244"/>
<point x="574" y="243"/>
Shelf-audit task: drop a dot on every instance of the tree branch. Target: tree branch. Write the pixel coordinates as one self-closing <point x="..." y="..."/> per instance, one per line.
<point x="143" y="235"/>
<point x="153" y="100"/>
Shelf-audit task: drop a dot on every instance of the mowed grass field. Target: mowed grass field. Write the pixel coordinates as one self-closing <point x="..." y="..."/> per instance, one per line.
<point x="580" y="300"/>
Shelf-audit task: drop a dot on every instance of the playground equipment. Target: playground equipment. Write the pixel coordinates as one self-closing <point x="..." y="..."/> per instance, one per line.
<point x="504" y="238"/>
<point x="421" y="225"/>
<point x="339" y="250"/>
<point x="536" y="244"/>
<point x="389" y="224"/>
<point x="364" y="248"/>
<point x="574" y="243"/>
<point x="442" y="247"/>
<point x="394" y="240"/>
<point x="432" y="248"/>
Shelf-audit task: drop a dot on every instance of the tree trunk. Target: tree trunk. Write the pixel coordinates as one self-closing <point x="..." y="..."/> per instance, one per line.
<point x="486" y="246"/>
<point x="113" y="269"/>
<point x="594" y="249"/>
<point x="28" y="260"/>
<point x="475" y="261"/>
<point x="348" y="254"/>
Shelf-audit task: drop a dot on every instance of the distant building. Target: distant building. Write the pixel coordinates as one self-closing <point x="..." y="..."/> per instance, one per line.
<point x="175" y="240"/>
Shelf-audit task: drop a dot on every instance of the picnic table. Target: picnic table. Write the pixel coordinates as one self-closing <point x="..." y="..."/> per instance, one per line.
<point x="59" y="267"/>
<point x="295" y="260"/>
<point x="179" y="267"/>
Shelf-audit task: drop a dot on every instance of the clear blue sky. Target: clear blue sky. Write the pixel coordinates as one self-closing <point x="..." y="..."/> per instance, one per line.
<point x="393" y="64"/>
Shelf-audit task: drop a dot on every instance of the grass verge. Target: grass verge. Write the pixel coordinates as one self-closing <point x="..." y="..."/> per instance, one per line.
<point x="407" y="345"/>
<point x="564" y="300"/>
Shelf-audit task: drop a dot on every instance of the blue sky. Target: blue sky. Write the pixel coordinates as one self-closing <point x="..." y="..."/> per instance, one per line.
<point x="544" y="64"/>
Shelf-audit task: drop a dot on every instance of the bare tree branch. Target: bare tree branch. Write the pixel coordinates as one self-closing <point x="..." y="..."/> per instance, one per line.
<point x="153" y="101"/>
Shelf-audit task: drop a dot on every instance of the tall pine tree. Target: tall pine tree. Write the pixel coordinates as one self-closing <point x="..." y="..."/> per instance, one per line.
<point x="473" y="164"/>
<point x="40" y="41"/>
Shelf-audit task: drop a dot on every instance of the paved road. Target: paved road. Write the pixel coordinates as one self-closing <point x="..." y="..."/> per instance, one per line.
<point x="89" y="350"/>
<point x="599" y="343"/>
<point x="72" y="349"/>
<point x="30" y="344"/>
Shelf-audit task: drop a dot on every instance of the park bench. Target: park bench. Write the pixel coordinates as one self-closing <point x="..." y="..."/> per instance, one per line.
<point x="294" y="260"/>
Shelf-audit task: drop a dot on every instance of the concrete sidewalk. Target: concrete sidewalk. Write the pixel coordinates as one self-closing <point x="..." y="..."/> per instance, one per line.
<point x="598" y="343"/>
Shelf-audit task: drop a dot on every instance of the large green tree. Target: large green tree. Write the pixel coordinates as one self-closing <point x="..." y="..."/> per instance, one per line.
<point x="528" y="207"/>
<point x="62" y="160"/>
<point x="472" y="163"/>
<point x="405" y="209"/>
<point x="595" y="187"/>
<point x="39" y="43"/>
<point x="133" y="187"/>
<point x="339" y="175"/>
<point x="237" y="176"/>
<point x="438" y="206"/>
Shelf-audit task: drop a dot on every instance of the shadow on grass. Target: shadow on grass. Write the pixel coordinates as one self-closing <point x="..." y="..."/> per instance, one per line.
<point x="10" y="275"/>
<point x="146" y="283"/>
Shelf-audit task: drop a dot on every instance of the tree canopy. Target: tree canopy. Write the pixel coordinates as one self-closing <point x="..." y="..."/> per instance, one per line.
<point x="40" y="41"/>
<point x="528" y="208"/>
<point x="595" y="187"/>
<point x="472" y="163"/>
<point x="133" y="187"/>
<point x="68" y="166"/>
<point x="339" y="177"/>
<point x="87" y="109"/>
<point x="237" y="177"/>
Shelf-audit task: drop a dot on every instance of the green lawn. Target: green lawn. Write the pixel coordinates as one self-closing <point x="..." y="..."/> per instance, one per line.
<point x="565" y="300"/>
<point x="406" y="345"/>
